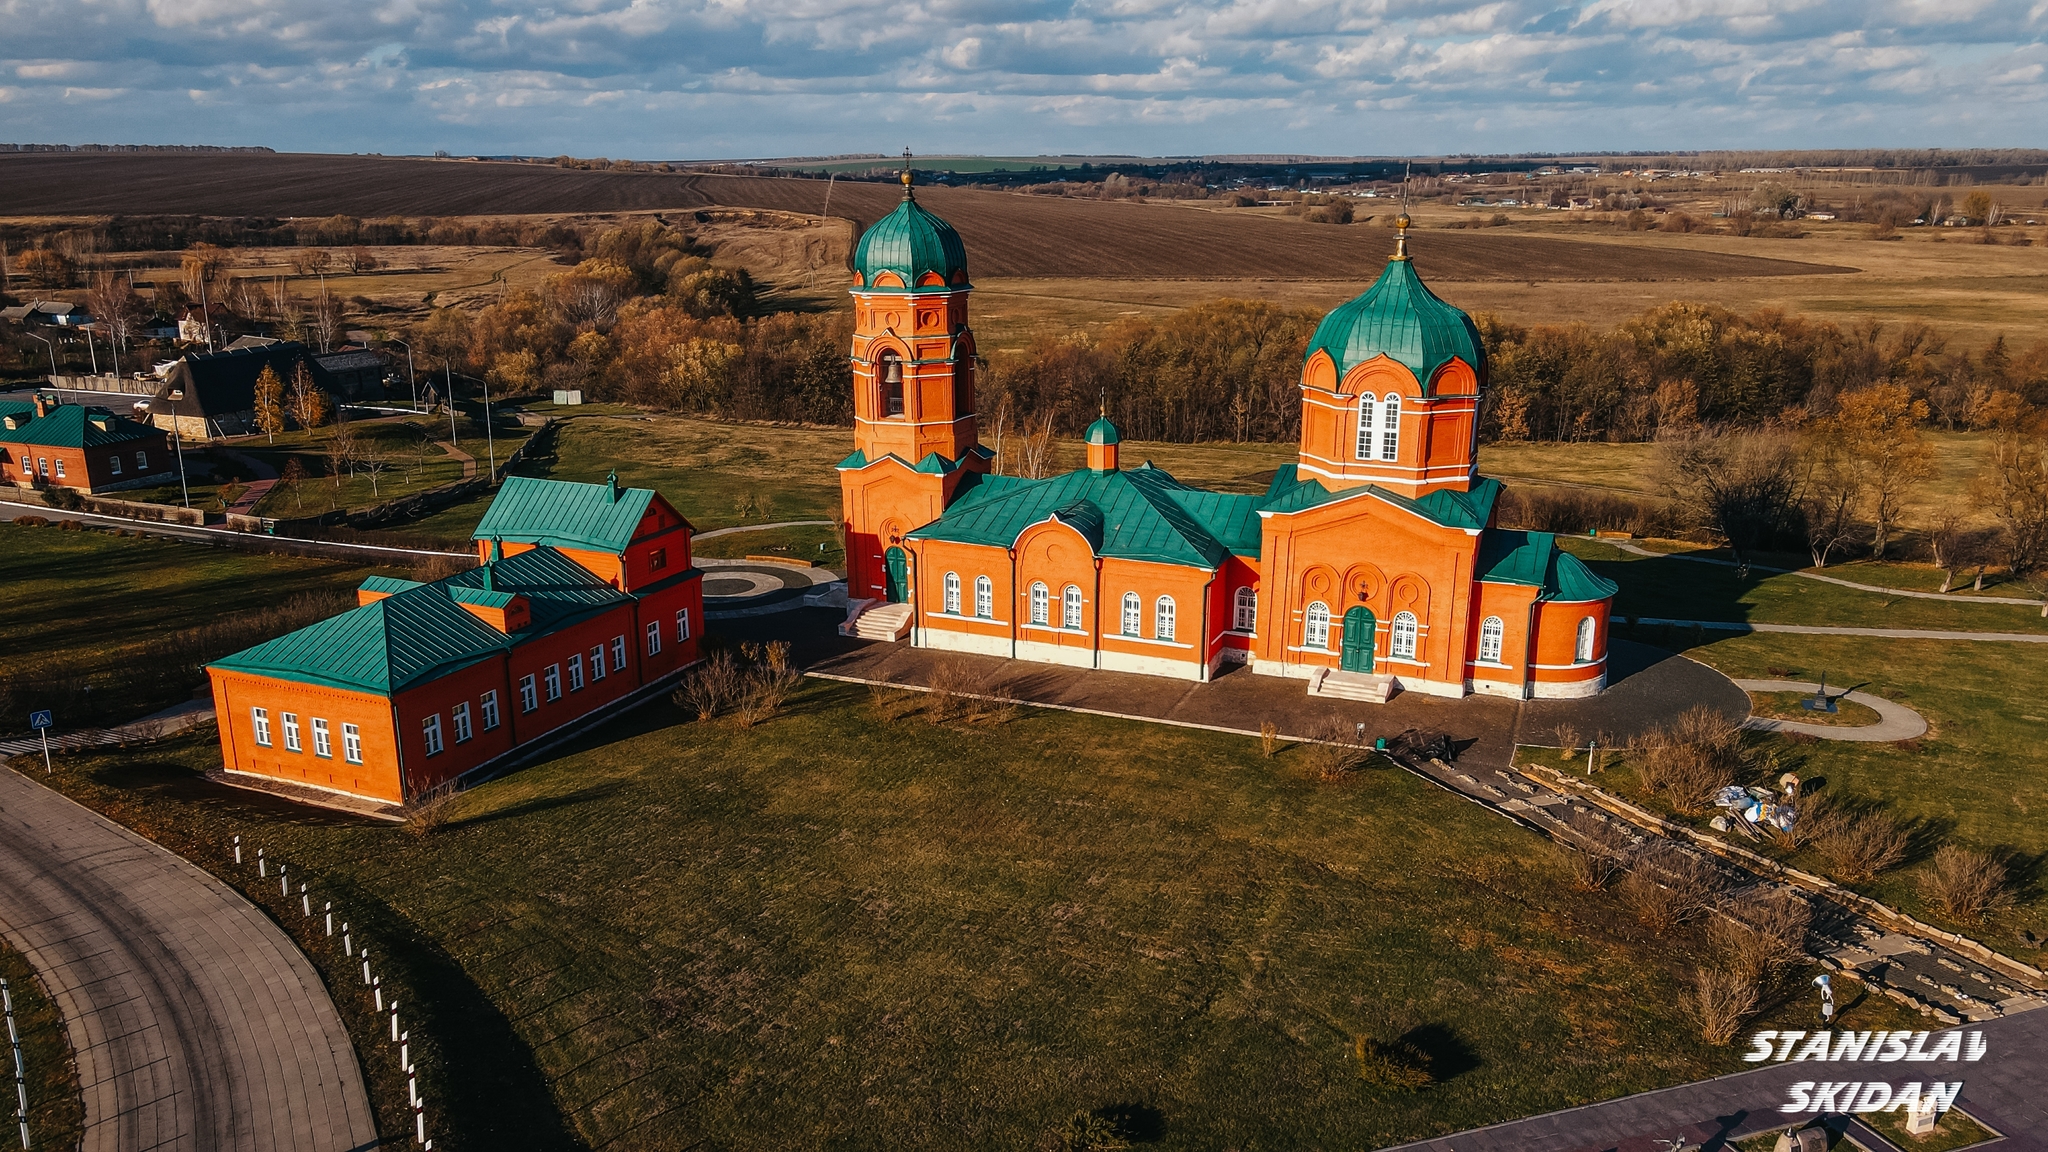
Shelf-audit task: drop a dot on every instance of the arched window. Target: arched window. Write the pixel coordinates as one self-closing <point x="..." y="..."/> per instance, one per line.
<point x="1585" y="652"/>
<point x="1404" y="636"/>
<point x="1247" y="610"/>
<point x="1134" y="614"/>
<point x="1390" y="427"/>
<point x="952" y="593"/>
<point x="1366" y="407"/>
<point x="1070" y="608"/>
<point x="984" y="598"/>
<point x="1315" y="631"/>
<point x="891" y="370"/>
<point x="1162" y="618"/>
<point x="1490" y="632"/>
<point x="1041" y="603"/>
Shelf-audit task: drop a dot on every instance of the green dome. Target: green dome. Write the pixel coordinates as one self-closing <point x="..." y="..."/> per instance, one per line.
<point x="1102" y="432"/>
<point x="911" y="242"/>
<point x="1401" y="318"/>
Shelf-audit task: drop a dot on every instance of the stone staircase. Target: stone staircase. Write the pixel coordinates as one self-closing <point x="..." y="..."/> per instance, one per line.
<point x="874" y="620"/>
<point x="1372" y="689"/>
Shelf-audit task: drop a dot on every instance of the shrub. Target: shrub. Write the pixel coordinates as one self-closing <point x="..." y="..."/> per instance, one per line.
<point x="1090" y="1132"/>
<point x="1269" y="739"/>
<point x="950" y="681"/>
<point x="766" y="684"/>
<point x="1567" y="740"/>
<point x="711" y="687"/>
<point x="1333" y="750"/>
<point x="1392" y="1065"/>
<point x="1679" y="892"/>
<point x="1965" y="883"/>
<point x="1858" y="841"/>
<point x="430" y="813"/>
<point x="1720" y="1001"/>
<point x="1593" y="871"/>
<point x="1761" y="936"/>
<point x="63" y="498"/>
<point x="1690" y="760"/>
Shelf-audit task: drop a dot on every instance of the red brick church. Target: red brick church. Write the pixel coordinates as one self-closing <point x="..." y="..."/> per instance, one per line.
<point x="1371" y="564"/>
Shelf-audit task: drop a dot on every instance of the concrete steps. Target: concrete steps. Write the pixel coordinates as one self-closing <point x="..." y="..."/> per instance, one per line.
<point x="874" y="620"/>
<point x="1371" y="689"/>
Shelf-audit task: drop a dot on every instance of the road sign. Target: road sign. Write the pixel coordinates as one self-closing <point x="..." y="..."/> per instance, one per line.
<point x="41" y="719"/>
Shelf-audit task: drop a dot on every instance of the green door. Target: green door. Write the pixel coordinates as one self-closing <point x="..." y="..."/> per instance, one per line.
<point x="1359" y="628"/>
<point x="899" y="575"/>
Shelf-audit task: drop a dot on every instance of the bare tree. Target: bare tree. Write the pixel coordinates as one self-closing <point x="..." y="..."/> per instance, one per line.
<point x="1879" y="427"/>
<point x="1743" y="485"/>
<point x="309" y="405"/>
<point x="2014" y="490"/>
<point x="1035" y="448"/>
<point x="1833" y="487"/>
<point x="327" y="317"/>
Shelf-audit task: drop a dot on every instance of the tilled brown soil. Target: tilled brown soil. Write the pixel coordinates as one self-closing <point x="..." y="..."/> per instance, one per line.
<point x="1007" y="234"/>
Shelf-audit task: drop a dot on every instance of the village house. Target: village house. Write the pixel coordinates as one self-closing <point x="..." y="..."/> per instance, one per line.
<point x="211" y="395"/>
<point x="1371" y="564"/>
<point x="586" y="600"/>
<point x="47" y="444"/>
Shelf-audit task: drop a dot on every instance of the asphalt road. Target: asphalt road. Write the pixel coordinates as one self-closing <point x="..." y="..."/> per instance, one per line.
<point x="198" y="1026"/>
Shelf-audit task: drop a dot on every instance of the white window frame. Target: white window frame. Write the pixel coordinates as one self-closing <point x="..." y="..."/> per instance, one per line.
<point x="1246" y="610"/>
<point x="430" y="731"/>
<point x="552" y="680"/>
<point x="1405" y="636"/>
<point x="1041" y="603"/>
<point x="141" y="461"/>
<point x="1582" y="649"/>
<point x="115" y="460"/>
<point x="351" y="743"/>
<point x="1492" y="633"/>
<point x="487" y="707"/>
<point x="259" y="722"/>
<point x="618" y="653"/>
<point x="1315" y="626"/>
<point x="323" y="739"/>
<point x="1390" y="427"/>
<point x="576" y="672"/>
<point x="60" y="468"/>
<point x="599" y="666"/>
<point x="463" y="731"/>
<point x="682" y="625"/>
<point x="984" y="598"/>
<point x="654" y="637"/>
<point x="1070" y="607"/>
<point x="1132" y="618"/>
<point x="292" y="741"/>
<point x="1163" y="612"/>
<point x="529" y="699"/>
<point x="951" y="597"/>
<point x="1368" y="407"/>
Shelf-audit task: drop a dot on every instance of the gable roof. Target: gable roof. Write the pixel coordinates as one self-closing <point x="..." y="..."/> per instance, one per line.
<point x="1533" y="560"/>
<point x="71" y="426"/>
<point x="600" y="517"/>
<point x="1139" y="514"/>
<point x="223" y="383"/>
<point x="422" y="632"/>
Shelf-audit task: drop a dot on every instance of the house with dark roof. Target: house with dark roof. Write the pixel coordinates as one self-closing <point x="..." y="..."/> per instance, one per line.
<point x="208" y="395"/>
<point x="1369" y="565"/>
<point x="48" y="444"/>
<point x="586" y="601"/>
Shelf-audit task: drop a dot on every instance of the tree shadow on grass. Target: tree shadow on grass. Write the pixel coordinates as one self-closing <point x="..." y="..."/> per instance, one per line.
<point x="1449" y="1055"/>
<point x="1137" y="1123"/>
<point x="539" y="804"/>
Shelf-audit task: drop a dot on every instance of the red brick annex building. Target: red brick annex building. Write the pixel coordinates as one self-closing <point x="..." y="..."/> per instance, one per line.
<point x="48" y="444"/>
<point x="586" y="597"/>
<point x="1370" y="564"/>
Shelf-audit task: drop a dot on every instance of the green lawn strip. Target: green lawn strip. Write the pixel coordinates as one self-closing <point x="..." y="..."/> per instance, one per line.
<point x="1927" y="578"/>
<point x="1669" y="587"/>
<point x="56" y="1110"/>
<point x="1955" y="1129"/>
<point x="1978" y="778"/>
<point x="79" y="608"/>
<point x="840" y="929"/>
<point x="800" y="543"/>
<point x="1792" y="706"/>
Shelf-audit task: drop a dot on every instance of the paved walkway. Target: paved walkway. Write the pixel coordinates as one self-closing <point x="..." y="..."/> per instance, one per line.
<point x="1822" y="630"/>
<point x="1805" y="575"/>
<point x="468" y="461"/>
<point x="761" y="527"/>
<point x="1894" y="721"/>
<point x="171" y="720"/>
<point x="197" y="1024"/>
<point x="262" y="478"/>
<point x="228" y="538"/>
<point x="2003" y="1090"/>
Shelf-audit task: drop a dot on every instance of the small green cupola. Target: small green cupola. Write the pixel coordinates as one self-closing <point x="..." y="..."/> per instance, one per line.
<point x="1102" y="441"/>
<point x="1399" y="317"/>
<point x="912" y="243"/>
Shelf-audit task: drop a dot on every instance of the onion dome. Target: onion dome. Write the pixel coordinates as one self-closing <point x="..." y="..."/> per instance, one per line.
<point x="1400" y="318"/>
<point x="1102" y="432"/>
<point x="912" y="243"/>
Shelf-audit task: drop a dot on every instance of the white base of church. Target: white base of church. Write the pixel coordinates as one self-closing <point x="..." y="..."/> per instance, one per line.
<point x="1502" y="688"/>
<point x="1574" y="690"/>
<point x="1403" y="683"/>
<point x="946" y="641"/>
<point x="1040" y="652"/>
<point x="1152" y="665"/>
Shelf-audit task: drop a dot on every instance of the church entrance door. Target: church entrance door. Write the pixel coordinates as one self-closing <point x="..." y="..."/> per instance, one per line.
<point x="1359" y="627"/>
<point x="898" y="589"/>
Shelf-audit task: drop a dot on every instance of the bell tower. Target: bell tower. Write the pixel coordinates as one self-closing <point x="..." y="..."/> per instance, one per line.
<point x="913" y="354"/>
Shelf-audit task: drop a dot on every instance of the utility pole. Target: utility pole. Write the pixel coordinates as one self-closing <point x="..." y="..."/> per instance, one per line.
<point x="409" y="378"/>
<point x="205" y="311"/>
<point x="449" y="370"/>
<point x="177" y="439"/>
<point x="490" y="441"/>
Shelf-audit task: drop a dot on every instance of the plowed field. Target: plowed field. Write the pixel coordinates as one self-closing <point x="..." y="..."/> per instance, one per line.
<point x="1007" y="234"/>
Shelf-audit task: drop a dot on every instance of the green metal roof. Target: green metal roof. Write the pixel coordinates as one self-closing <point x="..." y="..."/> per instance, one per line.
<point x="70" y="426"/>
<point x="1533" y="560"/>
<point x="910" y="242"/>
<point x="422" y="632"/>
<point x="599" y="517"/>
<point x="1452" y="509"/>
<point x="1400" y="317"/>
<point x="389" y="585"/>
<point x="1102" y="432"/>
<point x="1137" y="514"/>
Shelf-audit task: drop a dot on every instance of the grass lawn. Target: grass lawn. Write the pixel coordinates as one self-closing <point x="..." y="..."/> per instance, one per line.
<point x="1673" y="587"/>
<point x="56" y="1112"/>
<point x="852" y="928"/>
<point x="83" y="608"/>
<point x="818" y="544"/>
<point x="1979" y="777"/>
<point x="1792" y="706"/>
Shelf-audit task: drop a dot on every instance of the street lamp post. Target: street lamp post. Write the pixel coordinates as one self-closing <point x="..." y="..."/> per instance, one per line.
<point x="409" y="378"/>
<point x="53" y="354"/>
<point x="490" y="441"/>
<point x="448" y="371"/>
<point x="178" y="440"/>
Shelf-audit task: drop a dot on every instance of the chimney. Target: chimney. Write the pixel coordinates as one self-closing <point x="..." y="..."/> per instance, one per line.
<point x="44" y="403"/>
<point x="612" y="484"/>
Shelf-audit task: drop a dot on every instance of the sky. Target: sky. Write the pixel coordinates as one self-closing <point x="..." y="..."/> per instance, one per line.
<point x="699" y="79"/>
